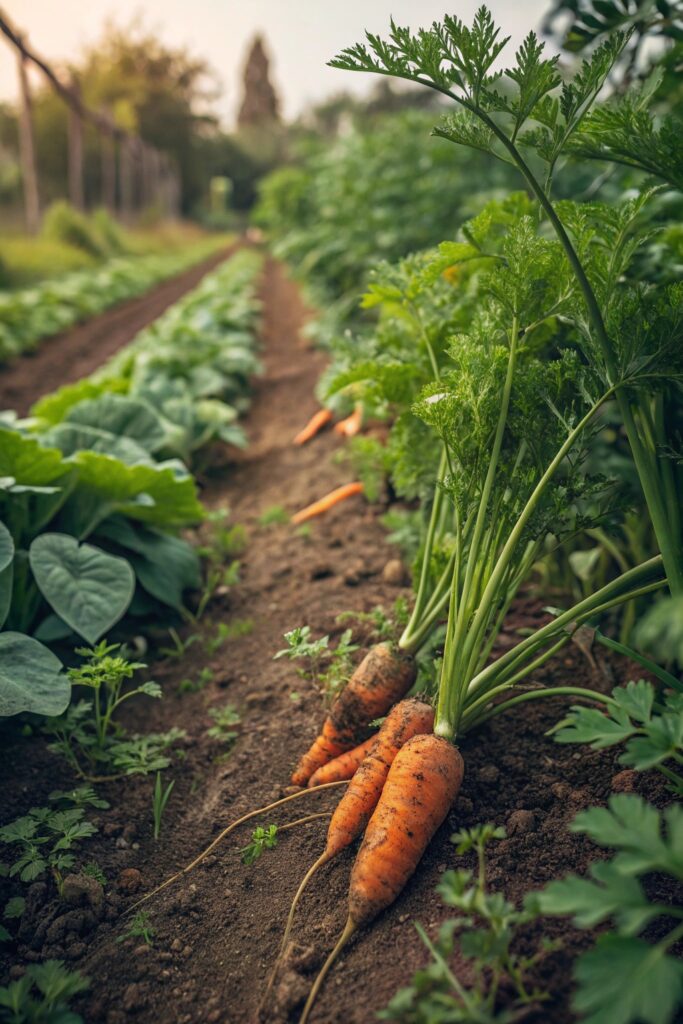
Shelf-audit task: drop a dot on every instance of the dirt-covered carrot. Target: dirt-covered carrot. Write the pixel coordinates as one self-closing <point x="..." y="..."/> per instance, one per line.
<point x="422" y="784"/>
<point x="384" y="676"/>
<point x="319" y="420"/>
<point x="407" y="719"/>
<point x="350" y="426"/>
<point x="344" y="766"/>
<point x="327" y="502"/>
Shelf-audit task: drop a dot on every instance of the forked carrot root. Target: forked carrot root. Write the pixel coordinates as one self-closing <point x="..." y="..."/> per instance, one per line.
<point x="226" y="831"/>
<point x="344" y="766"/>
<point x="327" y="502"/>
<point x="350" y="426"/>
<point x="316" y="423"/>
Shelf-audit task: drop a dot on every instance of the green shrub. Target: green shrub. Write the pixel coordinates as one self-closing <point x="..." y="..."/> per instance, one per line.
<point x="63" y="223"/>
<point x="109" y="232"/>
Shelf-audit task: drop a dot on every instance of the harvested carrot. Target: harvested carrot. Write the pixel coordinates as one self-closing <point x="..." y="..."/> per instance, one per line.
<point x="407" y="719"/>
<point x="344" y="766"/>
<point x="384" y="676"/>
<point x="319" y="420"/>
<point x="422" y="783"/>
<point x="350" y="426"/>
<point x="327" y="502"/>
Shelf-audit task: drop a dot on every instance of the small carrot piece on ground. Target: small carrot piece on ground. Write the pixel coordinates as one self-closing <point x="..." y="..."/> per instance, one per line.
<point x="407" y="719"/>
<point x="350" y="426"/>
<point x="384" y="676"/>
<point x="344" y="766"/>
<point x="422" y="784"/>
<point x="327" y="502"/>
<point x="317" y="421"/>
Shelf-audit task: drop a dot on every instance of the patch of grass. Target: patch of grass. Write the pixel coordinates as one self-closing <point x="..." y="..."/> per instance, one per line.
<point x="276" y="515"/>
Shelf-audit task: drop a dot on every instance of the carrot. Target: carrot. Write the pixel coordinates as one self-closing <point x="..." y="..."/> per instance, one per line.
<point x="384" y="675"/>
<point x="317" y="421"/>
<point x="327" y="502"/>
<point x="352" y="424"/>
<point x="409" y="718"/>
<point x="344" y="766"/>
<point x="422" y="783"/>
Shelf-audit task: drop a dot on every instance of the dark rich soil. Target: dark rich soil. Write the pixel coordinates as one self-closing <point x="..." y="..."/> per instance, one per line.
<point x="217" y="931"/>
<point x="72" y="354"/>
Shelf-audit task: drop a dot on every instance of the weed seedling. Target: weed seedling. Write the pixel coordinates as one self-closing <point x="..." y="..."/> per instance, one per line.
<point x="224" y="718"/>
<point x="42" y="995"/>
<point x="275" y="515"/>
<point x="42" y="841"/>
<point x="139" y="928"/>
<point x="180" y="646"/>
<point x="261" y="839"/>
<point x="93" y="870"/>
<point x="204" y="677"/>
<point x="328" y="667"/>
<point x="159" y="801"/>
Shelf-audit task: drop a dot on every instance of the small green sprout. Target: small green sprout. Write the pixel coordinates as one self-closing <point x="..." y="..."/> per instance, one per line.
<point x="261" y="839"/>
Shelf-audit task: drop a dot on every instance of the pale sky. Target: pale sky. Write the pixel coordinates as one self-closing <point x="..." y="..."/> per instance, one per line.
<point x="301" y="35"/>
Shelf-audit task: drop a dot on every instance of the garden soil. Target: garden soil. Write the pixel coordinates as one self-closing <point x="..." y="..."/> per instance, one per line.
<point x="217" y="930"/>
<point x="72" y="354"/>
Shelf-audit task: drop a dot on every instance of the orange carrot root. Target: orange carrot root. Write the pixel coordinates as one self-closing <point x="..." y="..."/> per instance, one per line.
<point x="344" y="766"/>
<point x="352" y="424"/>
<point x="382" y="678"/>
<point x="327" y="502"/>
<point x="422" y="784"/>
<point x="316" y="423"/>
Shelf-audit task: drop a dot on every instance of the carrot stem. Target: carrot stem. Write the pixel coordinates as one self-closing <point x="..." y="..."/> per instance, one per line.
<point x="349" y="928"/>
<point x="327" y="502"/>
<point x="226" y="831"/>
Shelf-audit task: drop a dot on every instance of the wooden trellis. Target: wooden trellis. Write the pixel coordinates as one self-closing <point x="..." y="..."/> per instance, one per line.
<point x="133" y="173"/>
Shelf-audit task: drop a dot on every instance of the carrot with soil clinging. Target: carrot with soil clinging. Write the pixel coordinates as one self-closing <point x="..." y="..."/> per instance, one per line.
<point x="422" y="784"/>
<point x="316" y="423"/>
<point x="409" y="718"/>
<point x="328" y="501"/>
<point x="384" y="676"/>
<point x="344" y="766"/>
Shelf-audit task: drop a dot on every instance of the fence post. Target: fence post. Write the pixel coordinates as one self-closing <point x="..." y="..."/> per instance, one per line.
<point x="27" y="150"/>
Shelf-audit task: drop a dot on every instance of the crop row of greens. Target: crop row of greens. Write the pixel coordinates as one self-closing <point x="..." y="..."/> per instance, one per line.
<point x="529" y="370"/>
<point x="29" y="315"/>
<point x="96" y="485"/>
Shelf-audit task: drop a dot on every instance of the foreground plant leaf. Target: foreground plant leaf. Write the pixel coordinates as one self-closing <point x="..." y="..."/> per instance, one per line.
<point x="31" y="677"/>
<point x="88" y="588"/>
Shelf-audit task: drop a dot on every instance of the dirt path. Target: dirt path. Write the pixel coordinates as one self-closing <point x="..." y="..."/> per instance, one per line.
<point x="216" y="933"/>
<point x="75" y="353"/>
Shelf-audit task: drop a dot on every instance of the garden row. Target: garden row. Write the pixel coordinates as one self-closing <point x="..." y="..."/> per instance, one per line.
<point x="97" y="485"/>
<point x="29" y="315"/>
<point x="529" y="373"/>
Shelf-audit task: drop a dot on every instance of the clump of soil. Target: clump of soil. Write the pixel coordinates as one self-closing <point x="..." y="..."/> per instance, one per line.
<point x="217" y="931"/>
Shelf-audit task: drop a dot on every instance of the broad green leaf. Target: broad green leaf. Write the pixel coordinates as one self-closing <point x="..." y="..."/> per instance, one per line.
<point x="627" y="981"/>
<point x="6" y="571"/>
<point x="589" y="725"/>
<point x="635" y="829"/>
<point x="27" y="461"/>
<point x="165" y="566"/>
<point x="88" y="588"/>
<point x="6" y="547"/>
<point x="636" y="699"/>
<point x="75" y="437"/>
<point x="584" y="562"/>
<point x="608" y="893"/>
<point x="122" y="416"/>
<point x="55" y="407"/>
<point x="31" y="677"/>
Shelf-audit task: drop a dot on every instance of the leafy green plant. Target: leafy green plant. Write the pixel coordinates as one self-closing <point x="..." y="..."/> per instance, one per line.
<point x="202" y="679"/>
<point x="88" y="734"/>
<point x="483" y="934"/>
<point x="329" y="667"/>
<point x="139" y="928"/>
<point x="261" y="839"/>
<point x="384" y="625"/>
<point x="625" y="978"/>
<point x="93" y="870"/>
<point x="42" y="995"/>
<point x="650" y="726"/>
<point x="225" y="719"/>
<point x="160" y="798"/>
<point x="276" y="515"/>
<point x="43" y="839"/>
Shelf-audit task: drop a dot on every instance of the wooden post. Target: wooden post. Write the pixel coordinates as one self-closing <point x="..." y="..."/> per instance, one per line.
<point x="76" y="193"/>
<point x="27" y="151"/>
<point x="108" y="164"/>
<point x="126" y="178"/>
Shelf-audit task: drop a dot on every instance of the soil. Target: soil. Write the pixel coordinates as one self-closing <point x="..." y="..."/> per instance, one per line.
<point x="72" y="354"/>
<point x="216" y="931"/>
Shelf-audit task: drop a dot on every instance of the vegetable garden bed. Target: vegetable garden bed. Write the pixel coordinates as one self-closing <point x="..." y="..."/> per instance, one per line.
<point x="214" y="935"/>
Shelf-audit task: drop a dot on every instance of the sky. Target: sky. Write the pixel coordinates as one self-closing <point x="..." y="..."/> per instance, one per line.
<point x="301" y="35"/>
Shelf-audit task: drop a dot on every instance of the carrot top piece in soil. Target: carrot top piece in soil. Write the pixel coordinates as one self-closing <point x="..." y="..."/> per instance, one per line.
<point x="384" y="676"/>
<point x="316" y="423"/>
<point x="327" y="502"/>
